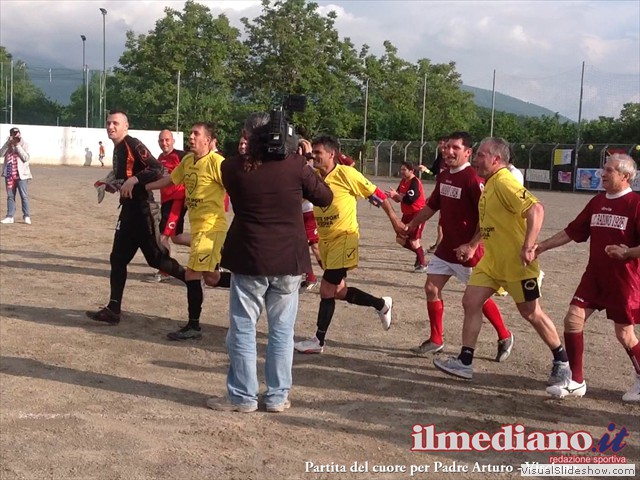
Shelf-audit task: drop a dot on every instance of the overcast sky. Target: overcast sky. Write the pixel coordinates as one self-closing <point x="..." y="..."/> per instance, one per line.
<point x="536" y="47"/>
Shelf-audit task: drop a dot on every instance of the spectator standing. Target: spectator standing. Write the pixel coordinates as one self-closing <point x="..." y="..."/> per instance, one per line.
<point x="17" y="173"/>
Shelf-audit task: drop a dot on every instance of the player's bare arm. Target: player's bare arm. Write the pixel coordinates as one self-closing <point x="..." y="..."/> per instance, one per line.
<point x="534" y="216"/>
<point x="394" y="195"/>
<point x="559" y="239"/>
<point x="423" y="215"/>
<point x="622" y="252"/>
<point x="467" y="250"/>
<point x="159" y="184"/>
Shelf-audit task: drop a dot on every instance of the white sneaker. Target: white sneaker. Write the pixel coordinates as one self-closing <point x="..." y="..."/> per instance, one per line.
<point x="454" y="366"/>
<point x="7" y="220"/>
<point x="385" y="313"/>
<point x="309" y="346"/>
<point x="27" y="220"/>
<point x="633" y="394"/>
<point x="572" y="389"/>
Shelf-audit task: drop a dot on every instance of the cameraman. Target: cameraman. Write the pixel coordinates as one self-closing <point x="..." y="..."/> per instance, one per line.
<point x="16" y="172"/>
<point x="266" y="251"/>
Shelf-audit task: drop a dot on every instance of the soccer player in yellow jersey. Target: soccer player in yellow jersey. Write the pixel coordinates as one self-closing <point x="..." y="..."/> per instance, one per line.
<point x="510" y="221"/>
<point x="199" y="171"/>
<point x="339" y="234"/>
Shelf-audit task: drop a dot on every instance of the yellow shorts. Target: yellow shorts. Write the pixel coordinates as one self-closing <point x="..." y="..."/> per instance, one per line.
<point x="341" y="252"/>
<point x="521" y="291"/>
<point x="206" y="250"/>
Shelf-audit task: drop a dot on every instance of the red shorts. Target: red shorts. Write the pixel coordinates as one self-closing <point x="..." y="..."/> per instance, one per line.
<point x="226" y="202"/>
<point x="599" y="292"/>
<point x="417" y="233"/>
<point x="310" y="227"/>
<point x="172" y="219"/>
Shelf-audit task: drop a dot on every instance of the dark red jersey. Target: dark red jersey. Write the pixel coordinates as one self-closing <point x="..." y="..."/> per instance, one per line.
<point x="456" y="195"/>
<point x="611" y="220"/>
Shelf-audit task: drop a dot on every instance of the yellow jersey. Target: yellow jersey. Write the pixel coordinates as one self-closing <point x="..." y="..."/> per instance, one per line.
<point x="502" y="208"/>
<point x="339" y="218"/>
<point x="204" y="191"/>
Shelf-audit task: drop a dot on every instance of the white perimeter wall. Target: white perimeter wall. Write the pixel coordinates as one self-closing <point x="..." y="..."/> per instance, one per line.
<point x="72" y="145"/>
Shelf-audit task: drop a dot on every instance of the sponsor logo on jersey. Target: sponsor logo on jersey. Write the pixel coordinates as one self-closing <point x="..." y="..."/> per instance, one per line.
<point x="608" y="220"/>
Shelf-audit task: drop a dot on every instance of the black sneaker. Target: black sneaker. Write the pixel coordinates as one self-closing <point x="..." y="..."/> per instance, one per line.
<point x="104" y="315"/>
<point x="504" y="348"/>
<point x="188" y="332"/>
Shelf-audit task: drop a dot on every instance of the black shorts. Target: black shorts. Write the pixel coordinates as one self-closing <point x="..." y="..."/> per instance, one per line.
<point x="172" y="217"/>
<point x="335" y="276"/>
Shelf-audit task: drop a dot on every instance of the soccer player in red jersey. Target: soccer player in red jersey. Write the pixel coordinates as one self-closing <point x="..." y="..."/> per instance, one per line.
<point x="172" y="208"/>
<point x="411" y="198"/>
<point x="610" y="284"/>
<point x="456" y="196"/>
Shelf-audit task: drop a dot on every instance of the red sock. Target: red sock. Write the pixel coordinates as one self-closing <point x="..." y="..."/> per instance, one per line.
<point x="574" y="344"/>
<point x="435" y="310"/>
<point x="634" y="355"/>
<point x="420" y="255"/>
<point x="311" y="277"/>
<point x="492" y="312"/>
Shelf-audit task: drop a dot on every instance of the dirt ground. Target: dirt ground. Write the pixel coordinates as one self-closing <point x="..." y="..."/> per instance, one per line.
<point x="86" y="401"/>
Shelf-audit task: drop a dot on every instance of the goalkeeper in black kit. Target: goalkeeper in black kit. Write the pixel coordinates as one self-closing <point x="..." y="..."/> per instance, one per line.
<point x="137" y="228"/>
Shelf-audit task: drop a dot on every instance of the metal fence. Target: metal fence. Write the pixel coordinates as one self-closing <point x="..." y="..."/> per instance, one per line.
<point x="545" y="165"/>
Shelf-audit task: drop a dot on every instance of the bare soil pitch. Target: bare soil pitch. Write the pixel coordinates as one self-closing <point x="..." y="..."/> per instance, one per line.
<point x="80" y="400"/>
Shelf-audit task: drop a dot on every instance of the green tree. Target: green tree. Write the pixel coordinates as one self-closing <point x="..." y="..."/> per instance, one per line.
<point x="294" y="49"/>
<point x="30" y="104"/>
<point x="205" y="50"/>
<point x="396" y="92"/>
<point x="628" y="124"/>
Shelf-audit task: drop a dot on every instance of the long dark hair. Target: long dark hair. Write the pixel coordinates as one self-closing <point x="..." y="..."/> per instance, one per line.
<point x="256" y="128"/>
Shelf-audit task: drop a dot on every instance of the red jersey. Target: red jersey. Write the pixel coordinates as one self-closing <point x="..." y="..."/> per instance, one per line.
<point x="345" y="160"/>
<point x="456" y="195"/>
<point x="413" y="200"/>
<point x="611" y="220"/>
<point x="170" y="161"/>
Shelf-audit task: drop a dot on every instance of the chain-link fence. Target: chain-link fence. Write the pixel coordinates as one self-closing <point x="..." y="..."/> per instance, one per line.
<point x="550" y="166"/>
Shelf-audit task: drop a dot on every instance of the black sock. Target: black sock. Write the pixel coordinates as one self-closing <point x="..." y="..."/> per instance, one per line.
<point x="560" y="354"/>
<point x="225" y="280"/>
<point x="466" y="355"/>
<point x="358" y="297"/>
<point x="194" y="300"/>
<point x="325" y="314"/>
<point x="114" y="306"/>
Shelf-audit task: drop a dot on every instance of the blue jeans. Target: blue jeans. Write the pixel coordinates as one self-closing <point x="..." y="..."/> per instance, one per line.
<point x="21" y="187"/>
<point x="248" y="295"/>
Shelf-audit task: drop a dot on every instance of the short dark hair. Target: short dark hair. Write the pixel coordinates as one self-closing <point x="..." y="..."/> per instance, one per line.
<point x="464" y="136"/>
<point x="409" y="166"/>
<point x="208" y="127"/>
<point x="117" y="110"/>
<point x="329" y="143"/>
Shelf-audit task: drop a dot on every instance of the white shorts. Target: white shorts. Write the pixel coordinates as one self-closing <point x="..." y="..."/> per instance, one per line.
<point x="437" y="266"/>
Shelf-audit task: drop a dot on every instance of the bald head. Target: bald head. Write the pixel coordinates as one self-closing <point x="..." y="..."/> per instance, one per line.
<point x="166" y="141"/>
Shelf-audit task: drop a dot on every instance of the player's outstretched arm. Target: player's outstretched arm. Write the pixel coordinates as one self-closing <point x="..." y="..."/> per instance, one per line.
<point x="398" y="226"/>
<point x="159" y="184"/>
<point x="559" y="239"/>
